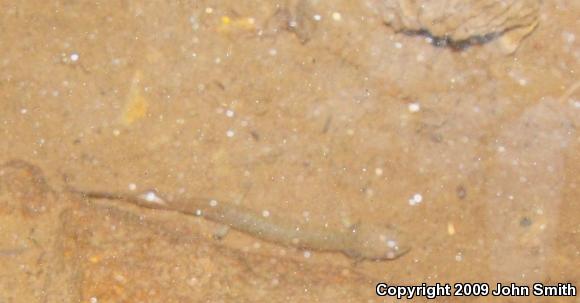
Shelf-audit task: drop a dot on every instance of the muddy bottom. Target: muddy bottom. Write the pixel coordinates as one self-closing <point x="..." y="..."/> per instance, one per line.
<point x="313" y="114"/>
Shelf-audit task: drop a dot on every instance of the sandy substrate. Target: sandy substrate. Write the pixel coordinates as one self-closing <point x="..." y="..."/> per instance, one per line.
<point x="474" y="154"/>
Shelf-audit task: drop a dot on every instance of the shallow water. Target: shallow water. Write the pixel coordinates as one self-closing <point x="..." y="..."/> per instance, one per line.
<point x="473" y="154"/>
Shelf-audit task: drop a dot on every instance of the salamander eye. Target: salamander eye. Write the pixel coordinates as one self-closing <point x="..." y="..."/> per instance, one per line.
<point x="394" y="250"/>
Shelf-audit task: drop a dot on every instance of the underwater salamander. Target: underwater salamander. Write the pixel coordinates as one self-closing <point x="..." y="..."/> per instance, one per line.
<point x="360" y="242"/>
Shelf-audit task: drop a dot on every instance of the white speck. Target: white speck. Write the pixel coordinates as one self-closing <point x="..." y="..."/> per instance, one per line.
<point x="577" y="104"/>
<point x="392" y="243"/>
<point x="292" y="23"/>
<point x="208" y="10"/>
<point x="152" y="197"/>
<point x="459" y="257"/>
<point x="523" y="82"/>
<point x="414" y="107"/>
<point x="229" y="113"/>
<point x="213" y="203"/>
<point x="336" y="16"/>
<point x="416" y="199"/>
<point x="501" y="149"/>
<point x="378" y="171"/>
<point x="218" y="60"/>
<point x="265" y="213"/>
<point x="23" y="111"/>
<point x="198" y="212"/>
<point x="74" y="57"/>
<point x="307" y="254"/>
<point x="398" y="45"/>
<point x="132" y="186"/>
<point x="317" y="17"/>
<point x="116" y="132"/>
<point x="93" y="300"/>
<point x="230" y="133"/>
<point x="273" y="52"/>
<point x="539" y="211"/>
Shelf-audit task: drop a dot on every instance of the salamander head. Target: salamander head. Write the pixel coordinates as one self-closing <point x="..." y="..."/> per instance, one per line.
<point x="375" y="242"/>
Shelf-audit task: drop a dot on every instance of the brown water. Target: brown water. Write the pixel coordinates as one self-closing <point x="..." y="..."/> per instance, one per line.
<point x="474" y="154"/>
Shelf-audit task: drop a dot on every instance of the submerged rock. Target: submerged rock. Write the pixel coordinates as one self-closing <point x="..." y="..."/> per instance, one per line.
<point x="461" y="23"/>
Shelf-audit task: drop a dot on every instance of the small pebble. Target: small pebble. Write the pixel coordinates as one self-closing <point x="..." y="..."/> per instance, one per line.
<point x="461" y="192"/>
<point x="450" y="228"/>
<point x="525" y="222"/>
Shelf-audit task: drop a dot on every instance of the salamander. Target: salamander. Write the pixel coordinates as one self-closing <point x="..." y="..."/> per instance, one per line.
<point x="359" y="242"/>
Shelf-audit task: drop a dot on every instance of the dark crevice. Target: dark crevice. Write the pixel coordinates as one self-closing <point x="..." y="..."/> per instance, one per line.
<point x="448" y="42"/>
